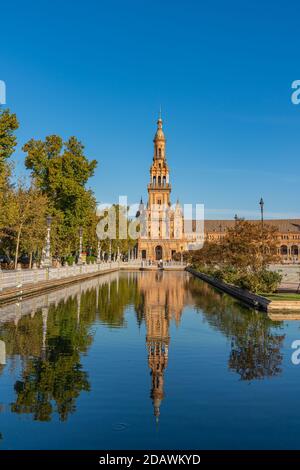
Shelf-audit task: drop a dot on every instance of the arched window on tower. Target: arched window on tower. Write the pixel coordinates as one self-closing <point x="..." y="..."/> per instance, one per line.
<point x="159" y="181"/>
<point x="164" y="181"/>
<point x="154" y="180"/>
<point x="159" y="152"/>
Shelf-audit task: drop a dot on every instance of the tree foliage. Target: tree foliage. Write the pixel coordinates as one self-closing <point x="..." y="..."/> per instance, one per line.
<point x="246" y="246"/>
<point x="8" y="125"/>
<point x="241" y="257"/>
<point x="61" y="171"/>
<point x="23" y="226"/>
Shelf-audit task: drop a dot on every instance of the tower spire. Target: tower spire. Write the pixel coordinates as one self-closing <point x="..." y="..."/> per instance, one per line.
<point x="159" y="139"/>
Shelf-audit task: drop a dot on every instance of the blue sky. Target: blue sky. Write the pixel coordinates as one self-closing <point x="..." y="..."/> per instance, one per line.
<point x="222" y="72"/>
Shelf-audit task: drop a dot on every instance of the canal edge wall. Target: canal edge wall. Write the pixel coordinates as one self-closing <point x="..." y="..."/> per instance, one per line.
<point x="27" y="291"/>
<point x="253" y="300"/>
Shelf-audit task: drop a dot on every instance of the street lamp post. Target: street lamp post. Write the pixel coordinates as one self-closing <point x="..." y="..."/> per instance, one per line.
<point x="235" y="220"/>
<point x="80" y="245"/>
<point x="48" y="260"/>
<point x="261" y="203"/>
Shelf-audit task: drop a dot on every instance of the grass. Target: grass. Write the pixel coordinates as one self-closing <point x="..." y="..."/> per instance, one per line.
<point x="282" y="296"/>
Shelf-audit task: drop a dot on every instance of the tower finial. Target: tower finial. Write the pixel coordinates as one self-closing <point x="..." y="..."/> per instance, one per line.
<point x="159" y="116"/>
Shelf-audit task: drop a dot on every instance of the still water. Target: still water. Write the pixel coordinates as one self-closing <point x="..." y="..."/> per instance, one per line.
<point x="146" y="360"/>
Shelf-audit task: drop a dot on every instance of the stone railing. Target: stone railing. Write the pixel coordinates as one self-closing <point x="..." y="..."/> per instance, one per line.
<point x="18" y="278"/>
<point x="135" y="263"/>
<point x="10" y="279"/>
<point x="146" y="264"/>
<point x="289" y="272"/>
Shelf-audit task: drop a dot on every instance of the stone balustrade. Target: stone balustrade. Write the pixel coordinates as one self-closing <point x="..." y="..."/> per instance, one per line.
<point x="10" y="279"/>
<point x="290" y="272"/>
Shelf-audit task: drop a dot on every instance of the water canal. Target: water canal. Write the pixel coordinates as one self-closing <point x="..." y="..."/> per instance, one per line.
<point x="145" y="360"/>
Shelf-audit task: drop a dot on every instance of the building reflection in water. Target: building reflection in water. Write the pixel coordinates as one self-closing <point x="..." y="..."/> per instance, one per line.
<point x="164" y="298"/>
<point x="50" y="333"/>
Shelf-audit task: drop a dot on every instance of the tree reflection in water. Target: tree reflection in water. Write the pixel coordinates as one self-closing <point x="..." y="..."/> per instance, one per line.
<point x="255" y="339"/>
<point x="51" y="340"/>
<point x="56" y="375"/>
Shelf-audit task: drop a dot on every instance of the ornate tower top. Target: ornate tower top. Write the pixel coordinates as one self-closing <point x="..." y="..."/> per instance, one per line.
<point x="159" y="188"/>
<point x="159" y="140"/>
<point x="159" y="136"/>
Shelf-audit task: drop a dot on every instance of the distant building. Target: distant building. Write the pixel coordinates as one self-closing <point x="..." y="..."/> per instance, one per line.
<point x="288" y="237"/>
<point x="163" y="231"/>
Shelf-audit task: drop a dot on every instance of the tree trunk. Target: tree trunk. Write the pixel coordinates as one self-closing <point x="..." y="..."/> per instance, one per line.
<point x="30" y="260"/>
<point x="17" y="248"/>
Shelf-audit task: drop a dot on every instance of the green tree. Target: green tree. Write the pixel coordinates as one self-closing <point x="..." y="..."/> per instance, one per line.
<point x="8" y="125"/>
<point x="246" y="246"/>
<point x="250" y="245"/>
<point x="34" y="230"/>
<point x="61" y="171"/>
<point x="241" y="257"/>
<point x="25" y="213"/>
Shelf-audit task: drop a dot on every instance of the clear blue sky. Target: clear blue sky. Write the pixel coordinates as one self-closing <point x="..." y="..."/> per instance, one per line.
<point x="221" y="70"/>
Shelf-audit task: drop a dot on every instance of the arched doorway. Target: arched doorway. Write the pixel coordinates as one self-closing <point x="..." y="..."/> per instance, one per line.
<point x="283" y="250"/>
<point x="295" y="250"/>
<point x="158" y="252"/>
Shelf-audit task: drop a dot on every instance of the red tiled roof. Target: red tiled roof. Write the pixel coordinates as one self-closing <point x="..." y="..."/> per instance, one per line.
<point x="283" y="225"/>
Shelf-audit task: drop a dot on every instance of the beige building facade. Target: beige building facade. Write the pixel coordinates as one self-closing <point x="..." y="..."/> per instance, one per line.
<point x="162" y="228"/>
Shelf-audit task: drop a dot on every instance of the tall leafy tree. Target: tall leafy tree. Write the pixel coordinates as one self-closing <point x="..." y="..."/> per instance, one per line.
<point x="8" y="125"/>
<point x="25" y="211"/>
<point x="246" y="246"/>
<point x="61" y="171"/>
<point x="34" y="231"/>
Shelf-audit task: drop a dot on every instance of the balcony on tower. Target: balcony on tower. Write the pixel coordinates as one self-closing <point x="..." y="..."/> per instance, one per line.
<point x="159" y="185"/>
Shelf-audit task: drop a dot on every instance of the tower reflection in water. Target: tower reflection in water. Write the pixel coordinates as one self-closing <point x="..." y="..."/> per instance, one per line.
<point x="164" y="298"/>
<point x="52" y="333"/>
